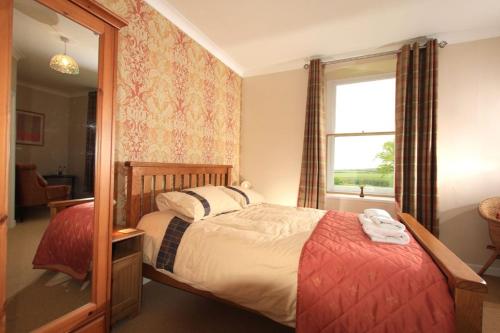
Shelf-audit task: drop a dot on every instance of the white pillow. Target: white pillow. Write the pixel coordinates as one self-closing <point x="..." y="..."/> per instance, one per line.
<point x="198" y="203"/>
<point x="161" y="201"/>
<point x="244" y="196"/>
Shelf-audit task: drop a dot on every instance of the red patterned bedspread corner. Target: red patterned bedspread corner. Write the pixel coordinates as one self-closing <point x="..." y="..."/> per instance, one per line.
<point x="66" y="245"/>
<point x="347" y="283"/>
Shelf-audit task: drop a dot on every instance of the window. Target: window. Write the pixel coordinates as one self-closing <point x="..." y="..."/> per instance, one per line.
<point x="360" y="135"/>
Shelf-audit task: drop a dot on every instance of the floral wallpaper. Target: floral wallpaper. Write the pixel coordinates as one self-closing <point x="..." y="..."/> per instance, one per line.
<point x="176" y="102"/>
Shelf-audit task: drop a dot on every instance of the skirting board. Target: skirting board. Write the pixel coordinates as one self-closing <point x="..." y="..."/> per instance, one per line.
<point x="494" y="271"/>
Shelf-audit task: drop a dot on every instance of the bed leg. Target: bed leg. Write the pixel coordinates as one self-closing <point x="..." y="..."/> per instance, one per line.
<point x="468" y="310"/>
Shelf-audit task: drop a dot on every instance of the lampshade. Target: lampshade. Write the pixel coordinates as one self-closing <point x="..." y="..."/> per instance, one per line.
<point x="246" y="184"/>
<point x="63" y="63"/>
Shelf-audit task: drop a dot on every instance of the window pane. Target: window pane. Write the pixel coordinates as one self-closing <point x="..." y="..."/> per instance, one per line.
<point x="361" y="160"/>
<point x="365" y="106"/>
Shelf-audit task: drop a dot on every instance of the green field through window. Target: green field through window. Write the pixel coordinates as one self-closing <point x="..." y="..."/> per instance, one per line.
<point x="366" y="177"/>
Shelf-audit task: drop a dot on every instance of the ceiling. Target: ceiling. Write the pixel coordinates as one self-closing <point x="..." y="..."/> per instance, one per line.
<point x="263" y="36"/>
<point x="37" y="32"/>
<point x="361" y="68"/>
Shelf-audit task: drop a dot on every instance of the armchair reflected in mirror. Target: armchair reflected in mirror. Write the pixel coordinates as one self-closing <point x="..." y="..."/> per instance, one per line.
<point x="32" y="189"/>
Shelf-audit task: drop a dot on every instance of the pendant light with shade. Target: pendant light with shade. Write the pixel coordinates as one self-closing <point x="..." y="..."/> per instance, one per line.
<point x="63" y="63"/>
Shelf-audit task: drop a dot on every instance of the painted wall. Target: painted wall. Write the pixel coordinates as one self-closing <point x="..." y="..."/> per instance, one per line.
<point x="469" y="159"/>
<point x="54" y="151"/>
<point x="64" y="136"/>
<point x="272" y="126"/>
<point x="468" y="166"/>
<point x="356" y="204"/>
<point x="175" y="101"/>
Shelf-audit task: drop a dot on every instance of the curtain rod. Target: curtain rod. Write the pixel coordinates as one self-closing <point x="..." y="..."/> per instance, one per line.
<point x="441" y="44"/>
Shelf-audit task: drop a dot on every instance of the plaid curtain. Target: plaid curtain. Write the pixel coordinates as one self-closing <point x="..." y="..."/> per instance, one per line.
<point x="312" y="176"/>
<point x="90" y="146"/>
<point x="415" y="159"/>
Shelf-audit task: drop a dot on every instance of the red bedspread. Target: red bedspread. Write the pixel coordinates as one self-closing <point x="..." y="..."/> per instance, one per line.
<point x="66" y="245"/>
<point x="347" y="283"/>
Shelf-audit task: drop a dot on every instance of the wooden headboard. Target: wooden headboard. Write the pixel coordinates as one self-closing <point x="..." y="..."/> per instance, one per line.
<point x="145" y="180"/>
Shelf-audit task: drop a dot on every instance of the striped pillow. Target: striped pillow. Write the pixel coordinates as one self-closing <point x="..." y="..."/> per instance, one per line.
<point x="198" y="203"/>
<point x="244" y="196"/>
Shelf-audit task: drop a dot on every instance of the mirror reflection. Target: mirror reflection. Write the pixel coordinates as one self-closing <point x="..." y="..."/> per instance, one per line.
<point x="53" y="113"/>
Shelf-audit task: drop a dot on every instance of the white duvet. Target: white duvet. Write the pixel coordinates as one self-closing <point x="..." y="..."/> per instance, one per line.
<point x="249" y="257"/>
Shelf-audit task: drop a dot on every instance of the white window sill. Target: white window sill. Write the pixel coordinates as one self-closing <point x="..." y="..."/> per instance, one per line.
<point x="355" y="197"/>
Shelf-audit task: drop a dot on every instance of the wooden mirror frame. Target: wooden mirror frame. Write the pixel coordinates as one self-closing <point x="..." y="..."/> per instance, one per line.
<point x="98" y="19"/>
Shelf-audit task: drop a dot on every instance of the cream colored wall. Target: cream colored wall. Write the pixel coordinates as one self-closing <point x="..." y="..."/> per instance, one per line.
<point x="272" y="126"/>
<point x="356" y="204"/>
<point x="77" y="140"/>
<point x="468" y="135"/>
<point x="468" y="140"/>
<point x="54" y="152"/>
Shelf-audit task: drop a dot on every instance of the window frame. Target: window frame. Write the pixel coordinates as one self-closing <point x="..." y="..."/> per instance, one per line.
<point x="330" y="128"/>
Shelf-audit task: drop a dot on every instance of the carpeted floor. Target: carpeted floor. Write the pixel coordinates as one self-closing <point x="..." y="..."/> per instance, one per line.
<point x="22" y="242"/>
<point x="168" y="309"/>
<point x="35" y="296"/>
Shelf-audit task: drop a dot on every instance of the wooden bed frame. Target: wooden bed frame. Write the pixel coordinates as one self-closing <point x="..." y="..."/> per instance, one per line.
<point x="57" y="206"/>
<point x="146" y="180"/>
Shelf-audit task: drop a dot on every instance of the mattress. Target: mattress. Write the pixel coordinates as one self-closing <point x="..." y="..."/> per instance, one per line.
<point x="249" y="257"/>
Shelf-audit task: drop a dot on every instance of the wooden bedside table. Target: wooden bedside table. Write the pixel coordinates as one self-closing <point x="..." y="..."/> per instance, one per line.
<point x="126" y="281"/>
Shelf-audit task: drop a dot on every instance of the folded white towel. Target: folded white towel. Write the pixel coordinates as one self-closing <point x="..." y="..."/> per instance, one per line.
<point x="370" y="212"/>
<point x="393" y="226"/>
<point x="373" y="229"/>
<point x="385" y="233"/>
<point x="402" y="239"/>
<point x="384" y="221"/>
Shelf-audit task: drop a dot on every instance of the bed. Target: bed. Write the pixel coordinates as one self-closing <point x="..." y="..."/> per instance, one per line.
<point x="146" y="180"/>
<point x="67" y="243"/>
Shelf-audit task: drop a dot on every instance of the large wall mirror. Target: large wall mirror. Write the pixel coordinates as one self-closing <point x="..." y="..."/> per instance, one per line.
<point x="56" y="134"/>
<point x="53" y="112"/>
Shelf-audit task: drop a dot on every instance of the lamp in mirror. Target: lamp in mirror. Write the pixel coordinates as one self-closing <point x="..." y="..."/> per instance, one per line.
<point x="63" y="63"/>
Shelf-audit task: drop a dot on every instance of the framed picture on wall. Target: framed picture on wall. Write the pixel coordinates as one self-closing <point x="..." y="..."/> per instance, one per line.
<point x="29" y="128"/>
